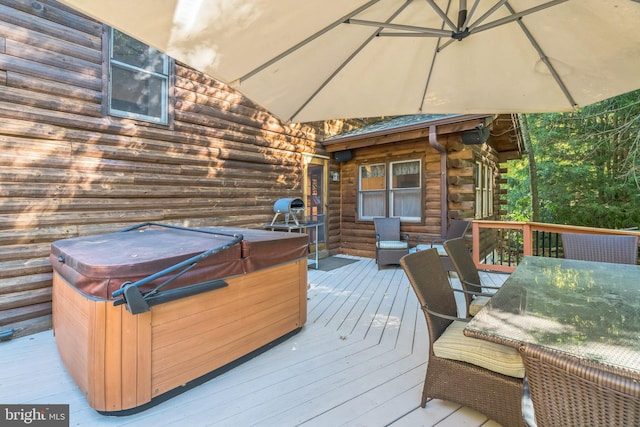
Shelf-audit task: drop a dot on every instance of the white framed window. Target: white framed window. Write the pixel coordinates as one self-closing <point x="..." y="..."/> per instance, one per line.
<point x="489" y="191"/>
<point x="390" y="189"/>
<point x="372" y="191"/>
<point x="405" y="190"/>
<point x="138" y="80"/>
<point x="484" y="190"/>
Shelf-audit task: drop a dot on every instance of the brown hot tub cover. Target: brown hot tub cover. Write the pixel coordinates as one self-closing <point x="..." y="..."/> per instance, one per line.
<point x="263" y="248"/>
<point x="100" y="265"/>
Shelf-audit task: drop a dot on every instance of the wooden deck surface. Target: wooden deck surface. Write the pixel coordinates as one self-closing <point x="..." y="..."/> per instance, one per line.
<point x="359" y="361"/>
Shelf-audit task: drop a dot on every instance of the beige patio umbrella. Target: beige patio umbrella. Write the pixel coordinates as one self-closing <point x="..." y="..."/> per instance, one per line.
<point x="308" y="60"/>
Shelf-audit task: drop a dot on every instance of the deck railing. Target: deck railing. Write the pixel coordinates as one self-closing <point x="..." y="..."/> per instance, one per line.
<point x="500" y="245"/>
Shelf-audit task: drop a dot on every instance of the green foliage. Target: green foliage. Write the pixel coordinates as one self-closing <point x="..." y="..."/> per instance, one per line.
<point x="588" y="166"/>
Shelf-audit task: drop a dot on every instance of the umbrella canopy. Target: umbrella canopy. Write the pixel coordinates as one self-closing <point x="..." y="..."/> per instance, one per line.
<point x="323" y="59"/>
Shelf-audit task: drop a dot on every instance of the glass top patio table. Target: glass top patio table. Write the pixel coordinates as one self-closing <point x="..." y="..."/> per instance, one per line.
<point x="588" y="309"/>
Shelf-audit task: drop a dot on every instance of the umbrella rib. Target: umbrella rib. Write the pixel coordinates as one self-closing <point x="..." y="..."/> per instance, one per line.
<point x="515" y="16"/>
<point x="545" y="59"/>
<point x="305" y="41"/>
<point x="388" y="34"/>
<point x="487" y="14"/>
<point x="344" y="64"/>
<point x="422" y="31"/>
<point x="445" y="44"/>
<point x="443" y="15"/>
<point x="470" y="14"/>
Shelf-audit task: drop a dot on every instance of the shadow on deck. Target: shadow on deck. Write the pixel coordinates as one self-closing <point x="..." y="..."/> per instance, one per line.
<point x="359" y="361"/>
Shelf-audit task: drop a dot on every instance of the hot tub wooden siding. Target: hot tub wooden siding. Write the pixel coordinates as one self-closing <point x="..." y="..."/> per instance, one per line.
<point x="122" y="361"/>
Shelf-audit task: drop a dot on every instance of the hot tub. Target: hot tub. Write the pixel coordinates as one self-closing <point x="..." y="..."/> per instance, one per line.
<point x="142" y="314"/>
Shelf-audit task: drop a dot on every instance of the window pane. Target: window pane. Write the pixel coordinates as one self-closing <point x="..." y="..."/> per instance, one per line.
<point x="136" y="92"/>
<point x="133" y="52"/>
<point x="402" y="197"/>
<point x="372" y="204"/>
<point x="478" y="213"/>
<point x="372" y="195"/>
<point x="138" y="80"/>
<point x="405" y="175"/>
<point x="406" y="194"/>
<point x="372" y="177"/>
<point x="406" y="204"/>
<point x="490" y="189"/>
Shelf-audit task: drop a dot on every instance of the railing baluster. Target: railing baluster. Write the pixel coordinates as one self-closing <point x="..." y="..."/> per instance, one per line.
<point x="500" y="246"/>
<point x="518" y="246"/>
<point x="530" y="238"/>
<point x="509" y="250"/>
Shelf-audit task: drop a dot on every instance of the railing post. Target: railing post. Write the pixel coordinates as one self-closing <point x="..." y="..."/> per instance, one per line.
<point x="475" y="243"/>
<point x="527" y="239"/>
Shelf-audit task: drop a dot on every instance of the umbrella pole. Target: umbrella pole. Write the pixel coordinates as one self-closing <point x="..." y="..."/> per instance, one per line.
<point x="462" y="15"/>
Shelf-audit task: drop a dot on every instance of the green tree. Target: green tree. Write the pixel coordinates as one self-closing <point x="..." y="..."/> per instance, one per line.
<point x="588" y="166"/>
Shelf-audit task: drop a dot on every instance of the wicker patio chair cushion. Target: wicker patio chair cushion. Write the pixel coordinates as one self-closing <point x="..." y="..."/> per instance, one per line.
<point x="454" y="345"/>
<point x="528" y="413"/>
<point x="439" y="248"/>
<point x="477" y="303"/>
<point x="392" y="244"/>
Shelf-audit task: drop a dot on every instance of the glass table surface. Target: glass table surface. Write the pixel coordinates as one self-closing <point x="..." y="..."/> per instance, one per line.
<point x="588" y="309"/>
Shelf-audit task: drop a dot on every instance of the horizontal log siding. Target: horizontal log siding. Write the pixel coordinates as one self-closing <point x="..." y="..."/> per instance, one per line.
<point x="334" y="210"/>
<point x="358" y="237"/>
<point x="68" y="170"/>
<point x="461" y="178"/>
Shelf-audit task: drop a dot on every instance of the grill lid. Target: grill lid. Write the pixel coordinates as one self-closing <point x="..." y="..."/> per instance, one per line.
<point x="291" y="208"/>
<point x="288" y="205"/>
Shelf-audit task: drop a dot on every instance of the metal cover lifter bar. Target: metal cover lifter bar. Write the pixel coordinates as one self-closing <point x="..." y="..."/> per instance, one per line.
<point x="137" y="302"/>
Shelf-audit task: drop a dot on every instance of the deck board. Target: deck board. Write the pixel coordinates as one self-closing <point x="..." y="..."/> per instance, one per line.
<point x="359" y="361"/>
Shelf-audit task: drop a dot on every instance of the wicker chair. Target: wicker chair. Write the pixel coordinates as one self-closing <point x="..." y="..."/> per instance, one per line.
<point x="468" y="275"/>
<point x="458" y="228"/>
<point x="389" y="245"/>
<point x="568" y="391"/>
<point x="494" y="394"/>
<point x="619" y="249"/>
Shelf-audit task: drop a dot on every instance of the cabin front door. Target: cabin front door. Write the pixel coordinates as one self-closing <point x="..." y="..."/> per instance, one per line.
<point x="316" y="197"/>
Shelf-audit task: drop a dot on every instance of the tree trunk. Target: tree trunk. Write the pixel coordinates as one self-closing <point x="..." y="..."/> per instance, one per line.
<point x="533" y="171"/>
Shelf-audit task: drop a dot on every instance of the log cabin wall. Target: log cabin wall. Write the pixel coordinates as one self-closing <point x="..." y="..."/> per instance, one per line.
<point x="461" y="177"/>
<point x="357" y="237"/>
<point x="67" y="169"/>
<point x="334" y="211"/>
<point x="462" y="182"/>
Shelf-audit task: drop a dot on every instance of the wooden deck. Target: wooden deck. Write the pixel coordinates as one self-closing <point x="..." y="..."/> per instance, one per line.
<point x="359" y="361"/>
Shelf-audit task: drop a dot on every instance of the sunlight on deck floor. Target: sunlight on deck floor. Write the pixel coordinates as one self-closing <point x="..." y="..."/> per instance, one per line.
<point x="359" y="361"/>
